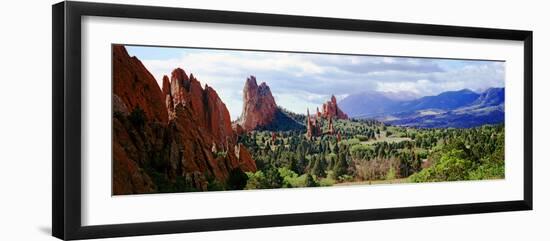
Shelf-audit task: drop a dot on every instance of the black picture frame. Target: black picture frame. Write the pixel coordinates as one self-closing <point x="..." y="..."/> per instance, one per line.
<point x="66" y="128"/>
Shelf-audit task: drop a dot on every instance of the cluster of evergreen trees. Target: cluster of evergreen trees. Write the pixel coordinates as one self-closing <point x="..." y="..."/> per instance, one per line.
<point x="291" y="155"/>
<point x="421" y="155"/>
<point x="466" y="154"/>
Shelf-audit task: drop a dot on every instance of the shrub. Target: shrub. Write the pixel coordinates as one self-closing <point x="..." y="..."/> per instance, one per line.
<point x="137" y="117"/>
<point x="362" y="137"/>
<point x="487" y="171"/>
<point x="310" y="181"/>
<point x="237" y="179"/>
<point x="289" y="177"/>
<point x="256" y="180"/>
<point x="325" y="182"/>
<point x="451" y="167"/>
<point x="272" y="178"/>
<point x="214" y="185"/>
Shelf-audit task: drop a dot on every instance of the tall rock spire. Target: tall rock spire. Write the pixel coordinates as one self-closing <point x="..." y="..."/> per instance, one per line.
<point x="259" y="106"/>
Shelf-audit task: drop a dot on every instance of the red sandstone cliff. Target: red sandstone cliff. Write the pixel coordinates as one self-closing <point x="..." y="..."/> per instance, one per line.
<point x="135" y="86"/>
<point x="183" y="131"/>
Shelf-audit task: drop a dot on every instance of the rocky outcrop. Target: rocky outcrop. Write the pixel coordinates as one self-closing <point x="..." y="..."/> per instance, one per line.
<point x="136" y="99"/>
<point x="313" y="127"/>
<point x="238" y="129"/>
<point x="258" y="105"/>
<point x="162" y="136"/>
<point x="136" y="87"/>
<point x="202" y="130"/>
<point x="260" y="112"/>
<point x="331" y="110"/>
<point x="244" y="158"/>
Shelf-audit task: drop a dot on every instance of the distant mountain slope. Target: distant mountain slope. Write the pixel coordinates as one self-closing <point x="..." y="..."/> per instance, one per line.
<point x="491" y="97"/>
<point x="368" y="104"/>
<point x="445" y="101"/>
<point x="461" y="109"/>
<point x="373" y="103"/>
<point x="456" y="119"/>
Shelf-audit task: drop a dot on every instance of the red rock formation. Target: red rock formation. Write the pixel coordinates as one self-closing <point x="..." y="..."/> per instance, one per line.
<point x="166" y="86"/>
<point x="313" y="128"/>
<point x="331" y="109"/>
<point x="245" y="158"/>
<point x="128" y="178"/>
<point x="135" y="86"/>
<point x="238" y="129"/>
<point x="168" y="98"/>
<point x="182" y="123"/>
<point x="259" y="106"/>
<point x="202" y="121"/>
<point x="217" y="118"/>
<point x="179" y="86"/>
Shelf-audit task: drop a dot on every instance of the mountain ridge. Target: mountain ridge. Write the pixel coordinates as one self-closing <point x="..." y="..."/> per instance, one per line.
<point x="460" y="108"/>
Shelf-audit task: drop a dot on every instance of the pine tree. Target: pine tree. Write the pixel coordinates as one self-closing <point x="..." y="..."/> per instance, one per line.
<point x="273" y="178"/>
<point x="319" y="167"/>
<point x="310" y="182"/>
<point x="336" y="149"/>
<point x="341" y="167"/>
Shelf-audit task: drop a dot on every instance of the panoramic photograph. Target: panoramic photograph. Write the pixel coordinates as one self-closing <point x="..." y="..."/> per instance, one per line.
<point x="198" y="119"/>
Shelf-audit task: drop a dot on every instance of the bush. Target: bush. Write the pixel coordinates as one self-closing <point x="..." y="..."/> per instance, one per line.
<point x="391" y="174"/>
<point x="163" y="185"/>
<point x="273" y="178"/>
<point x="351" y="142"/>
<point x="289" y="177"/>
<point x="270" y="178"/>
<point x="451" y="167"/>
<point x="256" y="180"/>
<point x="237" y="179"/>
<point x="325" y="182"/>
<point x="362" y="137"/>
<point x="214" y="185"/>
<point x="487" y="171"/>
<point x="137" y="117"/>
<point x="310" y="181"/>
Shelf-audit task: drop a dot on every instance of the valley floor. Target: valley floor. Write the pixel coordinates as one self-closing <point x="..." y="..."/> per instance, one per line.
<point x="375" y="182"/>
<point x="377" y="153"/>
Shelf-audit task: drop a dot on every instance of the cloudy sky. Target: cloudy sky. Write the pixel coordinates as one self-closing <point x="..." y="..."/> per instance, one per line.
<point x="299" y="81"/>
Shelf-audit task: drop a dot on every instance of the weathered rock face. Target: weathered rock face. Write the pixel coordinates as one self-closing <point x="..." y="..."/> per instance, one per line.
<point x="135" y="86"/>
<point x="202" y="130"/>
<point x="217" y="118"/>
<point x="136" y="98"/>
<point x="175" y="133"/>
<point x="330" y="109"/>
<point x="238" y="129"/>
<point x="259" y="106"/>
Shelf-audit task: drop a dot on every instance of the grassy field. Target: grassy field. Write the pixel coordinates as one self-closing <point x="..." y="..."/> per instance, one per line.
<point x="390" y="139"/>
<point x="375" y="182"/>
